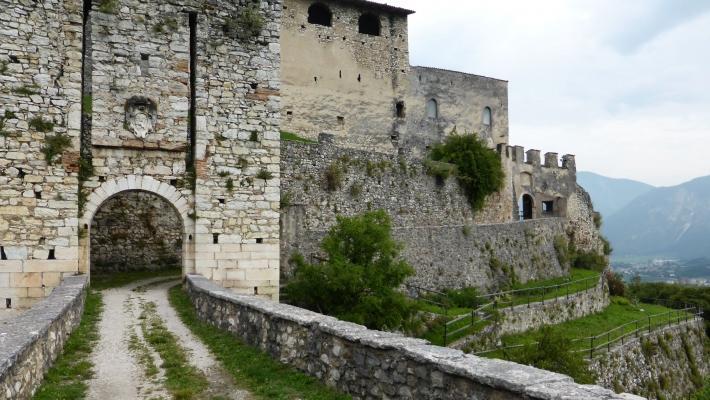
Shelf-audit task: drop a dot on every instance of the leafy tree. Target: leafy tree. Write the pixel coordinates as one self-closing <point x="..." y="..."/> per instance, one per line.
<point x="358" y="281"/>
<point x="478" y="169"/>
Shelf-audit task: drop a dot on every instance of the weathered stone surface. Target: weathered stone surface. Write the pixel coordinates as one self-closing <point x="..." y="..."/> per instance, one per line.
<point x="658" y="364"/>
<point x="370" y="364"/>
<point x="31" y="341"/>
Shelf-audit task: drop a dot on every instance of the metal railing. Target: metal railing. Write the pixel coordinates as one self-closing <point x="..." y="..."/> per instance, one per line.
<point x="494" y="301"/>
<point x="621" y="334"/>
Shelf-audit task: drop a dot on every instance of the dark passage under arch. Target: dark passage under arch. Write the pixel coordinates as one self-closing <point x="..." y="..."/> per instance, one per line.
<point x="133" y="231"/>
<point x="527" y="211"/>
<point x="369" y="24"/>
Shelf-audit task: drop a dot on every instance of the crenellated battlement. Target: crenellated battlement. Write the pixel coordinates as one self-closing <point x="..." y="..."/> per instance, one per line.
<point x="518" y="155"/>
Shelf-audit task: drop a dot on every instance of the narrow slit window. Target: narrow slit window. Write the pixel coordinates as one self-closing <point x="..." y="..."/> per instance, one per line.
<point x="432" y="109"/>
<point x="487" y="116"/>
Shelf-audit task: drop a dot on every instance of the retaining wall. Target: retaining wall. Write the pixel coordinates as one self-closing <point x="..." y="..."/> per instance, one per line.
<point x="538" y="314"/>
<point x="30" y="342"/>
<point x="370" y="364"/>
<point x="661" y="364"/>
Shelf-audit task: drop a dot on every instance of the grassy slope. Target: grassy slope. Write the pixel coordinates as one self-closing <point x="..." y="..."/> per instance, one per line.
<point x="436" y="333"/>
<point x="252" y="369"/>
<point x="66" y="379"/>
<point x="618" y="313"/>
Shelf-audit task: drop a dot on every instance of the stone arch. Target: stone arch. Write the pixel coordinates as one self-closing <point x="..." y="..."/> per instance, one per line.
<point x="115" y="187"/>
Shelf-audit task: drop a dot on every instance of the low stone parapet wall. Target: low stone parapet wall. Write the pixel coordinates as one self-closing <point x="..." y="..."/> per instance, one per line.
<point x="371" y="364"/>
<point x="31" y="341"/>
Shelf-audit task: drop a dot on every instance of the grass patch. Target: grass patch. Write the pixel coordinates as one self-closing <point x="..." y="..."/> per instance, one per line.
<point x="292" y="137"/>
<point x="253" y="369"/>
<point x="182" y="380"/>
<point x="118" y="279"/>
<point x="66" y="379"/>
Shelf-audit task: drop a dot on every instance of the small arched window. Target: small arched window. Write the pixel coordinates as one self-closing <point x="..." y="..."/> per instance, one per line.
<point x="369" y="24"/>
<point x="432" y="109"/>
<point x="487" y="116"/>
<point x="319" y="14"/>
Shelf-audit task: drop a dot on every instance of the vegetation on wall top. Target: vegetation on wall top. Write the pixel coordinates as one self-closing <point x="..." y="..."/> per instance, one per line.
<point x="245" y="25"/>
<point x="477" y="168"/>
<point x="55" y="145"/>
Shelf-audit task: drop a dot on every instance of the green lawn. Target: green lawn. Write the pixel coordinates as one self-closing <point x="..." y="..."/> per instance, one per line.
<point x="295" y="138"/>
<point x="252" y="368"/>
<point x="589" y="278"/>
<point x="619" y="312"/>
<point x="66" y="379"/>
<point x="118" y="279"/>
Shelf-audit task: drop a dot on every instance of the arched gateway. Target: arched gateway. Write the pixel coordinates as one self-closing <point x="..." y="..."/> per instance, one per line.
<point x="111" y="190"/>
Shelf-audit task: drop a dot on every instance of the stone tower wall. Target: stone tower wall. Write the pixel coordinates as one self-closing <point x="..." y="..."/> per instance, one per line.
<point x="40" y="81"/>
<point x="340" y="81"/>
<point x="180" y="107"/>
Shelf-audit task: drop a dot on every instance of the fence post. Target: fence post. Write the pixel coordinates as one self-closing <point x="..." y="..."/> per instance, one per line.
<point x="669" y="318"/>
<point x="567" y="290"/>
<point x="637" y="328"/>
<point x="608" y="342"/>
<point x="649" y="324"/>
<point x="446" y="325"/>
<point x="591" y="348"/>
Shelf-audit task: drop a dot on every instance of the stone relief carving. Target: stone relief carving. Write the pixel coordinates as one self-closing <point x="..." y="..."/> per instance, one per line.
<point x="141" y="116"/>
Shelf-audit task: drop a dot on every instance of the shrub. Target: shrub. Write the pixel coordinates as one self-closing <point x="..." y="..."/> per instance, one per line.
<point x="55" y="145"/>
<point x="108" y="6"/>
<point x="617" y="287"/>
<point x="8" y="115"/>
<point x="356" y="190"/>
<point x="478" y="169"/>
<point x="230" y="185"/>
<point x="264" y="174"/>
<point x="562" y="249"/>
<point x="3" y="67"/>
<point x="40" y="125"/>
<point x="552" y="352"/>
<point x="333" y="178"/>
<point x="588" y="260"/>
<point x="358" y="281"/>
<point x="607" y="246"/>
<point x="285" y="200"/>
<point x="247" y="24"/>
<point x="166" y="25"/>
<point x="26" y="90"/>
<point x="597" y="220"/>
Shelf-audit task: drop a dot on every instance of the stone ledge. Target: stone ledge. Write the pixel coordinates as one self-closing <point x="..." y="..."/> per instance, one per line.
<point x="265" y="324"/>
<point x="31" y="341"/>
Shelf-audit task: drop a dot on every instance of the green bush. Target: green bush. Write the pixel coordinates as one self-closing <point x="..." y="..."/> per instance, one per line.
<point x="246" y="25"/>
<point x="478" y="169"/>
<point x="264" y="174"/>
<point x="553" y="354"/>
<point x="562" y="249"/>
<point x="358" y="281"/>
<point x="40" y="125"/>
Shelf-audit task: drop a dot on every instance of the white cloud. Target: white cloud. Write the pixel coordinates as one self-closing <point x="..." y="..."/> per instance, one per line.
<point x="621" y="84"/>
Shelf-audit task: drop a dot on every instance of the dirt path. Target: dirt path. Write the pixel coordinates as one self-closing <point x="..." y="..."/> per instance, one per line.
<point x="122" y="357"/>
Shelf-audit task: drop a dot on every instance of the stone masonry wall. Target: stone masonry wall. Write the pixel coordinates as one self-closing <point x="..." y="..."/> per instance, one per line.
<point x="40" y="82"/>
<point x="660" y="365"/>
<point x="32" y="340"/>
<point x="461" y="99"/>
<point x="538" y="314"/>
<point x="371" y="364"/>
<point x="340" y="81"/>
<point x="447" y="244"/>
<point x="135" y="230"/>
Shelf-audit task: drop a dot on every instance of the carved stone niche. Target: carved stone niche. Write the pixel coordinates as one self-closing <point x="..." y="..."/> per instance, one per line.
<point x="141" y="116"/>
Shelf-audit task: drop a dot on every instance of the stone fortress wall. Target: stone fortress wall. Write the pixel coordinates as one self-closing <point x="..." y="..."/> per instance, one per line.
<point x="448" y="244"/>
<point x="171" y="99"/>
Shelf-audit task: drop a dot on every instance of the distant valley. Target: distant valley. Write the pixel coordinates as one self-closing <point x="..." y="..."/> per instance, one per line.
<point x="661" y="233"/>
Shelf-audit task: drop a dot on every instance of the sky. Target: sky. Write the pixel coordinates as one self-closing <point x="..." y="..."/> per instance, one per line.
<point x="623" y="85"/>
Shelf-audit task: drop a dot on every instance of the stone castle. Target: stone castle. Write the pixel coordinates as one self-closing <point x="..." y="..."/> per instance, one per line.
<point x="148" y="132"/>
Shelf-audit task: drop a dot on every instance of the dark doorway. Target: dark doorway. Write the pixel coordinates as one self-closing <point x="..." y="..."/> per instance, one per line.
<point x="319" y="14"/>
<point x="527" y="211"/>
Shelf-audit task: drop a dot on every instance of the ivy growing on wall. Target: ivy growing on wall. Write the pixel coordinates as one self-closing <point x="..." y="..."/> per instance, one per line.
<point x="477" y="168"/>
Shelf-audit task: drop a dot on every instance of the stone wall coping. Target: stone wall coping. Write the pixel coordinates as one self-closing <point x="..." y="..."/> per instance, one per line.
<point x="527" y="381"/>
<point x="20" y="333"/>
